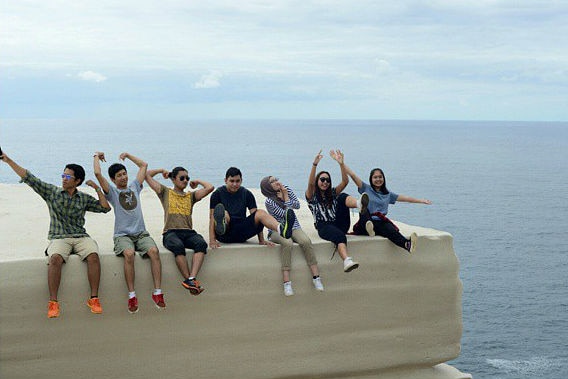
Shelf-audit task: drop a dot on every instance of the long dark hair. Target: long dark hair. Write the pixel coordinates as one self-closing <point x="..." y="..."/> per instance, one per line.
<point x="382" y="189"/>
<point x="327" y="197"/>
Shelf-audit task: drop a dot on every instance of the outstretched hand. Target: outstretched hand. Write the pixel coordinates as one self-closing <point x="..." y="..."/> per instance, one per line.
<point x="337" y="156"/>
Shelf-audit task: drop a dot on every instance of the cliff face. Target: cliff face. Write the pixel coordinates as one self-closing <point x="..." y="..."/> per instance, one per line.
<point x="397" y="316"/>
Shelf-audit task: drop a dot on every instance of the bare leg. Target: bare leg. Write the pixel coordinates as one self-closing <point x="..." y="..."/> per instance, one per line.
<point x="266" y="219"/>
<point x="351" y="202"/>
<point x="155" y="266"/>
<point x="54" y="275"/>
<point x="342" y="250"/>
<point x="183" y="267"/>
<point x="314" y="270"/>
<point x="196" y="263"/>
<point x="94" y="272"/>
<point x="129" y="269"/>
<point x="286" y="275"/>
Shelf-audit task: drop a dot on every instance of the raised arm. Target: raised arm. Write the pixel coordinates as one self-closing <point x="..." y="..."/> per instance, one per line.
<point x="97" y="158"/>
<point x="153" y="183"/>
<point x="408" y="199"/>
<point x="20" y="171"/>
<point x="142" y="166"/>
<point x="312" y="177"/>
<point x="102" y="198"/>
<point x="339" y="157"/>
<point x="206" y="189"/>
<point x="357" y="180"/>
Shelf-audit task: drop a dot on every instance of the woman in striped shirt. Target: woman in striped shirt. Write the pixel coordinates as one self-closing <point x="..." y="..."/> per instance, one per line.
<point x="280" y="197"/>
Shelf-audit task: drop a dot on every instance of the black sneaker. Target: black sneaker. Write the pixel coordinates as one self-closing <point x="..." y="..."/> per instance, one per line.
<point x="219" y="217"/>
<point x="288" y="223"/>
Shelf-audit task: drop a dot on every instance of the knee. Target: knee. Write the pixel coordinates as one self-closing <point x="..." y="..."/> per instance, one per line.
<point x="128" y="256"/>
<point x="56" y="260"/>
<point x="93" y="258"/>
<point x="154" y="254"/>
<point x="201" y="247"/>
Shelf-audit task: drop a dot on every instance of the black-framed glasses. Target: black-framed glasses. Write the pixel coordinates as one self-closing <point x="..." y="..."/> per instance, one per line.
<point x="67" y="176"/>
<point x="324" y="179"/>
<point x="183" y="177"/>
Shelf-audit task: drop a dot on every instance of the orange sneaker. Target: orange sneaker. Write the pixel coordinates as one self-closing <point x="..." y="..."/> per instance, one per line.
<point x="52" y="309"/>
<point x="95" y="305"/>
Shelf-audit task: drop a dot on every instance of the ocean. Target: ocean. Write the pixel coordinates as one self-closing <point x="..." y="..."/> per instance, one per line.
<point x="500" y="188"/>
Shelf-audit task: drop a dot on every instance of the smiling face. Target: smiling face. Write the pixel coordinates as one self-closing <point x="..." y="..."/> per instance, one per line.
<point x="377" y="178"/>
<point x="233" y="183"/>
<point x="120" y="179"/>
<point x="274" y="183"/>
<point x="324" y="181"/>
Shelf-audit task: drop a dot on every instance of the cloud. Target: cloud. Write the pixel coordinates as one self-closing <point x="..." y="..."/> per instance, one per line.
<point x="91" y="76"/>
<point x="210" y="80"/>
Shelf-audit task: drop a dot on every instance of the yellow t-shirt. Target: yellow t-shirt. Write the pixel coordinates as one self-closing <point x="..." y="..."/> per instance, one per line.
<point x="177" y="209"/>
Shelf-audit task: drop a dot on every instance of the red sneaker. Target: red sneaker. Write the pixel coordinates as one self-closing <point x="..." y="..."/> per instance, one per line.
<point x="133" y="305"/>
<point x="159" y="301"/>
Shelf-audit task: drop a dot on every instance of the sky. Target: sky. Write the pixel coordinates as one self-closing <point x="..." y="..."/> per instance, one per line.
<point x="276" y="59"/>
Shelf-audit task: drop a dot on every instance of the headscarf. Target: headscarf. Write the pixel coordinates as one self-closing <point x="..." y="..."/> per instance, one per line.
<point x="269" y="192"/>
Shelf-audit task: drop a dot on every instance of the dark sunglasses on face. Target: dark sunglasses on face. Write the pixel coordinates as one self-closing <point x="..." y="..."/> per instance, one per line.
<point x="183" y="177"/>
<point x="323" y="180"/>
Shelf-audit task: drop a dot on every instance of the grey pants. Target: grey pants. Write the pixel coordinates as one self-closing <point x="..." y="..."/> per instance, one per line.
<point x="301" y="239"/>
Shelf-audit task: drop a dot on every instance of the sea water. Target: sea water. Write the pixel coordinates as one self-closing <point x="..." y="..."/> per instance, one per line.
<point x="500" y="188"/>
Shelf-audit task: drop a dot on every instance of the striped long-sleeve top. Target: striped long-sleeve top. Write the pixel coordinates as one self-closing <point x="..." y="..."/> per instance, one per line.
<point x="277" y="211"/>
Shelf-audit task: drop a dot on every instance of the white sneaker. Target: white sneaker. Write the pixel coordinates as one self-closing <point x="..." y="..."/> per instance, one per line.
<point x="318" y="284"/>
<point x="362" y="203"/>
<point x="288" y="291"/>
<point x="370" y="228"/>
<point x="349" y="265"/>
<point x="413" y="240"/>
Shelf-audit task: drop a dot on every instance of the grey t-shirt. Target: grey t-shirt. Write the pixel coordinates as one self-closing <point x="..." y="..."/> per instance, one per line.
<point x="128" y="218"/>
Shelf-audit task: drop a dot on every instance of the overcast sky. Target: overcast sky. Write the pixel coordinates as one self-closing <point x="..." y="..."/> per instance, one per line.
<point x="184" y="59"/>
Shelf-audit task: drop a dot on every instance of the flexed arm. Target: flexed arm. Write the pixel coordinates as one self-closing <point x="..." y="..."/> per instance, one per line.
<point x="202" y="192"/>
<point x="153" y="183"/>
<point x="312" y="177"/>
<point x="97" y="158"/>
<point x="142" y="166"/>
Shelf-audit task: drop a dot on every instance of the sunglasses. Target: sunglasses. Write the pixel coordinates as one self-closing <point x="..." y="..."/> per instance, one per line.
<point x="323" y="180"/>
<point x="67" y="176"/>
<point x="183" y="177"/>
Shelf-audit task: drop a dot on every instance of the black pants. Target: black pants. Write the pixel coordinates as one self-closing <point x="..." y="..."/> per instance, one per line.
<point x="382" y="228"/>
<point x="335" y="230"/>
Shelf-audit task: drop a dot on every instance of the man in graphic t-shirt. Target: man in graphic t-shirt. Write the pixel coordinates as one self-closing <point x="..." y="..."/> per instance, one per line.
<point x="130" y="233"/>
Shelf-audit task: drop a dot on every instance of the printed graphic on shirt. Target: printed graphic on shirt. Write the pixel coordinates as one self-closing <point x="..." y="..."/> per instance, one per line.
<point x="179" y="204"/>
<point x="127" y="200"/>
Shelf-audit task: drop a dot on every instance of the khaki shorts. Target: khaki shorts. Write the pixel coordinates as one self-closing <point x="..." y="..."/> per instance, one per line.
<point x="82" y="246"/>
<point x="141" y="242"/>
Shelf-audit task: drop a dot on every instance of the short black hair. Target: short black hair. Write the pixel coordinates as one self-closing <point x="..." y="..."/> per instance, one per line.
<point x="114" y="169"/>
<point x="233" y="171"/>
<point x="78" y="171"/>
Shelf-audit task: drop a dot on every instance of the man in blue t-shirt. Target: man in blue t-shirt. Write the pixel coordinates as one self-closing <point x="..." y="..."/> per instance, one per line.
<point x="228" y="220"/>
<point x="130" y="233"/>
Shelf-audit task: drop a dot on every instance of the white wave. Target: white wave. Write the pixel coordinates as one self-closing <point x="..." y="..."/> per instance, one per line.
<point x="536" y="365"/>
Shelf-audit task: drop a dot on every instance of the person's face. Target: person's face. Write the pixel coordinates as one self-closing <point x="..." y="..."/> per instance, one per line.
<point x="233" y="183"/>
<point x="324" y="181"/>
<point x="274" y="183"/>
<point x="68" y="180"/>
<point x="181" y="180"/>
<point x="121" y="179"/>
<point x="377" y="179"/>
